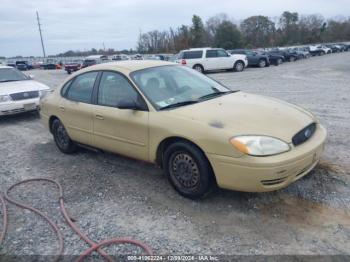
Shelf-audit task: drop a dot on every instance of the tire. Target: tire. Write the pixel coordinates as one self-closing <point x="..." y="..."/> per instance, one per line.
<point x="239" y="66"/>
<point x="291" y="59"/>
<point x="188" y="170"/>
<point x="262" y="63"/>
<point x="62" y="140"/>
<point x="279" y="61"/>
<point x="322" y="53"/>
<point x="199" y="68"/>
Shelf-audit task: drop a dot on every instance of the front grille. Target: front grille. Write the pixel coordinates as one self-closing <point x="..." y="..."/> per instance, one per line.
<point x="304" y="134"/>
<point x="24" y="95"/>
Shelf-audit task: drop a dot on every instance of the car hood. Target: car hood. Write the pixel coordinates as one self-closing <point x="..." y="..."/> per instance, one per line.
<point x="7" y="88"/>
<point x="247" y="114"/>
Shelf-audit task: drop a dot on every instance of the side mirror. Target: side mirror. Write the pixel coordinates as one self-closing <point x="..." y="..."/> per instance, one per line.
<point x="129" y="104"/>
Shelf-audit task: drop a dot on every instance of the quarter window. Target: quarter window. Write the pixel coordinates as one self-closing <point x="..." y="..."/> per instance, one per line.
<point x="114" y="88"/>
<point x="81" y="88"/>
<point x="65" y="88"/>
<point x="192" y="55"/>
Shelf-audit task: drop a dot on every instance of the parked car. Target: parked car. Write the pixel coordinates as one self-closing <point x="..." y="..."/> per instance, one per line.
<point x="18" y="92"/>
<point x="275" y="59"/>
<point x="11" y="63"/>
<point x="334" y="48"/>
<point x="94" y="60"/>
<point x="22" y="65"/>
<point x="254" y="58"/>
<point x="324" y="48"/>
<point x="120" y="57"/>
<point x="209" y="59"/>
<point x="288" y="56"/>
<point x="137" y="57"/>
<point x="73" y="66"/>
<point x="314" y="51"/>
<point x="49" y="64"/>
<point x="342" y="47"/>
<point x="302" y="52"/>
<point x="200" y="132"/>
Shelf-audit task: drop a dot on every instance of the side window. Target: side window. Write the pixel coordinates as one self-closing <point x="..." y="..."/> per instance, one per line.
<point x="81" y="88"/>
<point x="211" y="54"/>
<point x="192" y="54"/>
<point x="114" y="88"/>
<point x="222" y="53"/>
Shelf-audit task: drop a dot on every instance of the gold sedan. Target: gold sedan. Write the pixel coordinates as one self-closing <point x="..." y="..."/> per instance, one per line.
<point x="199" y="131"/>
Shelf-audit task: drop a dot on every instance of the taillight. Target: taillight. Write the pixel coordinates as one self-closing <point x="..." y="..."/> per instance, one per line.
<point x="183" y="62"/>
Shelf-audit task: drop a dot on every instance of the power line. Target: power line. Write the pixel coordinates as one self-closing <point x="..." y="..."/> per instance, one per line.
<point x="41" y="36"/>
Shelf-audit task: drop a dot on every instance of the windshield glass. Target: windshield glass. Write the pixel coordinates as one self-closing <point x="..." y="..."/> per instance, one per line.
<point x="175" y="85"/>
<point x="11" y="74"/>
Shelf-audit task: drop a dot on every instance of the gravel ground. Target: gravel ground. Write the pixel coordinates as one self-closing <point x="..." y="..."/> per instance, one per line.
<point x="109" y="195"/>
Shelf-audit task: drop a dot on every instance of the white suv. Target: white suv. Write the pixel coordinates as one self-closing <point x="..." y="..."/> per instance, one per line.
<point x="207" y="59"/>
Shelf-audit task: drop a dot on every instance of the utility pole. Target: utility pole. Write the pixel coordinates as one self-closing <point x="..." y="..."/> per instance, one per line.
<point x="41" y="36"/>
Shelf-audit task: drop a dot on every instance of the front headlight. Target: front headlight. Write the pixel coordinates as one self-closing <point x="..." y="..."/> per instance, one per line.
<point x="5" y="98"/>
<point x="259" y="145"/>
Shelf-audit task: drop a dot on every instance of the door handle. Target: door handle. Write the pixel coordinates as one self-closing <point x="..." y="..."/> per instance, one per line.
<point x="61" y="108"/>
<point x="99" y="117"/>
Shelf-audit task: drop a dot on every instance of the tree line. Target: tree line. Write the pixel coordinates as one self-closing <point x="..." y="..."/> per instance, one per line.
<point x="290" y="28"/>
<point x="253" y="32"/>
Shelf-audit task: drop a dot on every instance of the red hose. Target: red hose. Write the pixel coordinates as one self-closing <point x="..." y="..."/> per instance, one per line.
<point x="94" y="246"/>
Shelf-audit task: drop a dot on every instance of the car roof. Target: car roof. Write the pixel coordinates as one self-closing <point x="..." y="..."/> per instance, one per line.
<point x="128" y="66"/>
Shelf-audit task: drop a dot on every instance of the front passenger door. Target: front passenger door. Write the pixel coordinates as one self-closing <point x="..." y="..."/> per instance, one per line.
<point x="123" y="131"/>
<point x="76" y="108"/>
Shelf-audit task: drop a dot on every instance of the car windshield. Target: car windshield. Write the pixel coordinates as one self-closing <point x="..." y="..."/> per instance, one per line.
<point x="173" y="86"/>
<point x="11" y="74"/>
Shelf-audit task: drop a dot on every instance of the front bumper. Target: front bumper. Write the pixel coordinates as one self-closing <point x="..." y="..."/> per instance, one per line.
<point x="20" y="106"/>
<point x="261" y="174"/>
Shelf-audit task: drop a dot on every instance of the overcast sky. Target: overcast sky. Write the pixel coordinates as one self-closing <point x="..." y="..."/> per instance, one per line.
<point x="83" y="24"/>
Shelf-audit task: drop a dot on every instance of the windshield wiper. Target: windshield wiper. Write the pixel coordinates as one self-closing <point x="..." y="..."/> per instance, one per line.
<point x="183" y="103"/>
<point x="215" y="94"/>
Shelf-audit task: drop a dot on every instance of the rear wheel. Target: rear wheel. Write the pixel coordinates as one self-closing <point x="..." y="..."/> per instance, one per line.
<point x="198" y="68"/>
<point x="239" y="66"/>
<point x="188" y="170"/>
<point x="62" y="140"/>
<point x="291" y="59"/>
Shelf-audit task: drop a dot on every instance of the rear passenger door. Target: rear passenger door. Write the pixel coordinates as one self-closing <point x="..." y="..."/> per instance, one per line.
<point x="122" y="131"/>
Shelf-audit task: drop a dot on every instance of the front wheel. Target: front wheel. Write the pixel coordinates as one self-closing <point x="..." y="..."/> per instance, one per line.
<point x="262" y="63"/>
<point x="239" y="66"/>
<point x="62" y="140"/>
<point x="291" y="59"/>
<point x="188" y="170"/>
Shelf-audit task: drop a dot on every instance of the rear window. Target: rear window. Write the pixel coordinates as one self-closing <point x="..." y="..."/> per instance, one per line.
<point x="192" y="54"/>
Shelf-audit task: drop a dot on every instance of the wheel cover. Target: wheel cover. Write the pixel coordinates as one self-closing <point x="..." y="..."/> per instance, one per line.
<point x="62" y="137"/>
<point x="198" y="68"/>
<point x="239" y="67"/>
<point x="185" y="170"/>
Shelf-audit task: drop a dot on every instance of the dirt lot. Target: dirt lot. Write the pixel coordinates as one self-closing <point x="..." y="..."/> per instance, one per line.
<point x="110" y="195"/>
